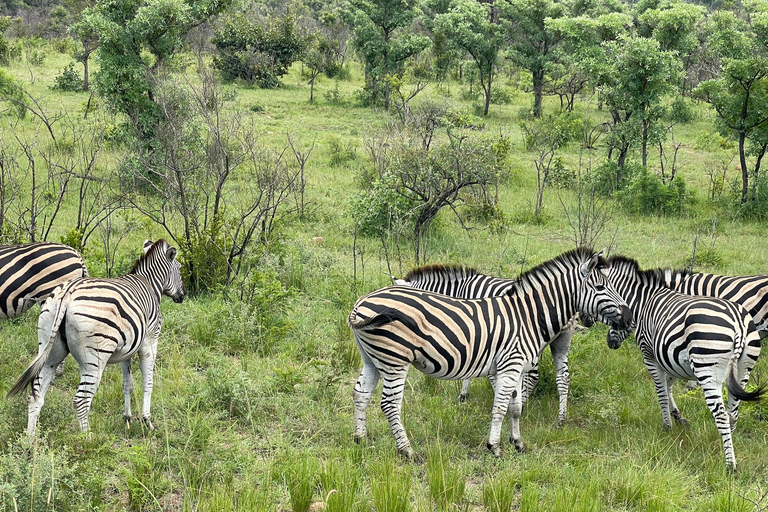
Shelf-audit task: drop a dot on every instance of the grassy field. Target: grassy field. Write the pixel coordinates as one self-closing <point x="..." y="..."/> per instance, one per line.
<point x="253" y="402"/>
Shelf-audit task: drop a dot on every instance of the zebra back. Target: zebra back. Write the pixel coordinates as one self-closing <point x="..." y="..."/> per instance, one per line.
<point x="30" y="272"/>
<point x="457" y="281"/>
<point x="751" y="292"/>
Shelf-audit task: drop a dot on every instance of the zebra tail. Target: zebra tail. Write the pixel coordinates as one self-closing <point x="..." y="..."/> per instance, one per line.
<point x="732" y="383"/>
<point x="384" y="317"/>
<point x="34" y="369"/>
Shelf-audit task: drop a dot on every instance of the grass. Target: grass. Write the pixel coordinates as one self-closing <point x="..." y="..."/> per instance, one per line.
<point x="254" y="408"/>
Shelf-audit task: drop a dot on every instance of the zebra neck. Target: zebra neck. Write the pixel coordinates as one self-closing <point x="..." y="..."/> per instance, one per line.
<point x="154" y="284"/>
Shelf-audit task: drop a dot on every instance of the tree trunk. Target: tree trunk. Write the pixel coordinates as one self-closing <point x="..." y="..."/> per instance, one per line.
<point x="86" y="83"/>
<point x="620" y="170"/>
<point x="487" y="95"/>
<point x="538" y="88"/>
<point x="743" y="162"/>
<point x="312" y="89"/>
<point x="645" y="143"/>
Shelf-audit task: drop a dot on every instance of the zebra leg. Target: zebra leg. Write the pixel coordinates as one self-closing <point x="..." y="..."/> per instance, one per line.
<point x="391" y="403"/>
<point x="361" y="396"/>
<point x="713" y="393"/>
<point x="147" y="363"/>
<point x="662" y="391"/>
<point x="37" y="397"/>
<point x="515" y="411"/>
<point x="673" y="406"/>
<point x="125" y="367"/>
<point x="531" y="378"/>
<point x="560" y="347"/>
<point x="90" y="376"/>
<point x="464" y="391"/>
<point x="746" y="364"/>
<point x="505" y="382"/>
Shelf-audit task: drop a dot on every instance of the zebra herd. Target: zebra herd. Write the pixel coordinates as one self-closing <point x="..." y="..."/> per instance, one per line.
<point x="98" y="321"/>
<point x="452" y="322"/>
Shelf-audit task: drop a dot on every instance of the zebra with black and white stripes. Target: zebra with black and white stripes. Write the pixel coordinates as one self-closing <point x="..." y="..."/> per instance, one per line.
<point x="30" y="272"/>
<point x="467" y="283"/>
<point x="683" y="337"/>
<point x="101" y="321"/>
<point x="450" y="338"/>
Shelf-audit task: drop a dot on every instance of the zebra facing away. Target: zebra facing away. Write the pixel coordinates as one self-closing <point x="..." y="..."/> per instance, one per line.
<point x="466" y="283"/>
<point x="450" y="338"/>
<point x="101" y="321"/>
<point x="30" y="272"/>
<point x="682" y="336"/>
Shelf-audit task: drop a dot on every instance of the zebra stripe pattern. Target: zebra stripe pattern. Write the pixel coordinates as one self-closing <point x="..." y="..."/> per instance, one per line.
<point x="30" y="272"/>
<point x="682" y="336"/>
<point x="101" y="321"/>
<point x="450" y="338"/>
<point x="467" y="283"/>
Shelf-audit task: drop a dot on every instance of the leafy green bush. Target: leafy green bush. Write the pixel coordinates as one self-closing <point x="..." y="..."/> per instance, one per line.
<point x="341" y="153"/>
<point x="69" y="80"/>
<point x="259" y="55"/>
<point x="644" y="193"/>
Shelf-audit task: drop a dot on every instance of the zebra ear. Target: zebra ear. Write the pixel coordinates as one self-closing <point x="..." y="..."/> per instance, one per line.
<point x="171" y="253"/>
<point x="588" y="267"/>
<point x="147" y="245"/>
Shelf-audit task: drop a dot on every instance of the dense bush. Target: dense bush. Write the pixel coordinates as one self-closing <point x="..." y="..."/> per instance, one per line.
<point x="259" y="55"/>
<point x="69" y="80"/>
<point x="644" y="193"/>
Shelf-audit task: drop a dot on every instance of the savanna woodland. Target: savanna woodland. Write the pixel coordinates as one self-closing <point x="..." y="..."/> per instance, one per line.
<point x="300" y="153"/>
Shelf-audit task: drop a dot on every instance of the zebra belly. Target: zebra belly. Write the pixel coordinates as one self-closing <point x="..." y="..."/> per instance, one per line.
<point x="460" y="371"/>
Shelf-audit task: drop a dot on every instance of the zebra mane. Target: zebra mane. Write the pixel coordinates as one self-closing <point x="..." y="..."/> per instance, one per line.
<point x="653" y="275"/>
<point x="556" y="266"/>
<point x="441" y="272"/>
<point x="149" y="254"/>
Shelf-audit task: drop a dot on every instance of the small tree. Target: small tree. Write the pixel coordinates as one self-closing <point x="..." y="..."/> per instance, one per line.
<point x="383" y="38"/>
<point x="318" y="58"/>
<point x="546" y="135"/>
<point x="88" y="41"/>
<point x="474" y="28"/>
<point x="257" y="54"/>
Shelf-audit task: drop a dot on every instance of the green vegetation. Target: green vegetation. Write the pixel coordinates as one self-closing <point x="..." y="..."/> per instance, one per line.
<point x="286" y="211"/>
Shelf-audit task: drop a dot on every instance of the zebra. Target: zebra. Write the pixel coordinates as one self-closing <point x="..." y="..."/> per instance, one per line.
<point x="30" y="272"/>
<point x="751" y="292"/>
<point x="467" y="283"/>
<point x="682" y="336"/>
<point x="451" y="338"/>
<point x="101" y="321"/>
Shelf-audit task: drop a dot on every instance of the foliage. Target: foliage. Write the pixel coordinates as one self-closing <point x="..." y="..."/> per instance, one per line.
<point x="5" y="44"/>
<point x="69" y="80"/>
<point x="383" y="38"/>
<point x="446" y="483"/>
<point x="645" y="193"/>
<point x="258" y="54"/>
<point x="126" y="80"/>
<point x="533" y="43"/>
<point x="472" y="28"/>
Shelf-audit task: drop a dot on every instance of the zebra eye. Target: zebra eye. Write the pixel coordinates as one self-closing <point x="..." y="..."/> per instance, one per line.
<point x="599" y="287"/>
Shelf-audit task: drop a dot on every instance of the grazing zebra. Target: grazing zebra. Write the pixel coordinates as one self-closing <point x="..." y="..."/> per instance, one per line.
<point x="101" y="321"/>
<point x="30" y="272"/>
<point x="466" y="283"/>
<point x="450" y="338"/>
<point x="682" y="336"/>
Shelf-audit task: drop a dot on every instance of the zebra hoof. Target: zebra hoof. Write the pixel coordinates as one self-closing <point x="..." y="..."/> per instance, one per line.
<point x="127" y="420"/>
<point x="407" y="452"/>
<point x="666" y="427"/>
<point x="494" y="449"/>
<point x="684" y="423"/>
<point x="358" y="438"/>
<point x="730" y="467"/>
<point x="519" y="445"/>
<point x="463" y="398"/>
<point x="148" y="424"/>
<point x="560" y="422"/>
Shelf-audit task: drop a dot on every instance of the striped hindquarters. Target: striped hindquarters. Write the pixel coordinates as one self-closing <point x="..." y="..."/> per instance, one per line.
<point x="443" y="337"/>
<point x="30" y="272"/>
<point x="456" y="281"/>
<point x="751" y="292"/>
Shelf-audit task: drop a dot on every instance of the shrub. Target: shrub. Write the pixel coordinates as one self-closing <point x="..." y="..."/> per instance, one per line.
<point x="644" y="193"/>
<point x="341" y="153"/>
<point x="69" y="80"/>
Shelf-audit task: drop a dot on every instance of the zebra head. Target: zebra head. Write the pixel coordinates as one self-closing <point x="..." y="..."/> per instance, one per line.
<point x="617" y="336"/>
<point x="597" y="298"/>
<point x="164" y="268"/>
